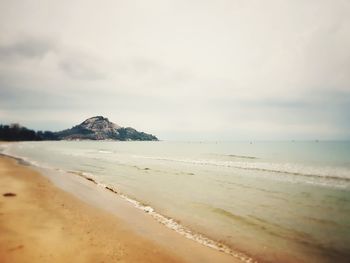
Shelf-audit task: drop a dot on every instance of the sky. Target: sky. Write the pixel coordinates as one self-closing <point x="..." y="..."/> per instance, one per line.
<point x="182" y="69"/>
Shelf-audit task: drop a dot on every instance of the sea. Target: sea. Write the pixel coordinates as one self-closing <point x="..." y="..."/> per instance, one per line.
<point x="285" y="201"/>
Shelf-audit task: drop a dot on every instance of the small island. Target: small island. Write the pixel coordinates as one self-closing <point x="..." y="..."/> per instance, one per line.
<point x="94" y="128"/>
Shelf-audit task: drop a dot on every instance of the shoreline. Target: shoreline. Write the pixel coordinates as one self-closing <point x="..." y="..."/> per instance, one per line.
<point x="168" y="222"/>
<point x="138" y="223"/>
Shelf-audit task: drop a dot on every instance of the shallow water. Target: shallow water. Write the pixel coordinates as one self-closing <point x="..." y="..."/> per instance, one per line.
<point x="275" y="201"/>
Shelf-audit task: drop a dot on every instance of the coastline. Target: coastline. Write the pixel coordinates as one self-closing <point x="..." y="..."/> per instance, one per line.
<point x="65" y="213"/>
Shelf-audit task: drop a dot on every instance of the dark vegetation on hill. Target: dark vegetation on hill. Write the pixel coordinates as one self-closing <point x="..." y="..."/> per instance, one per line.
<point x="100" y="128"/>
<point x="95" y="128"/>
<point x="15" y="132"/>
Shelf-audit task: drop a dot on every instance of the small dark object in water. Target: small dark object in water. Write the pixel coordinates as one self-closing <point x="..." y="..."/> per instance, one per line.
<point x="111" y="189"/>
<point x="9" y="194"/>
<point x="90" y="179"/>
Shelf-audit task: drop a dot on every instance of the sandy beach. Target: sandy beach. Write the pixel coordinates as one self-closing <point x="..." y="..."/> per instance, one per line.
<point x="39" y="222"/>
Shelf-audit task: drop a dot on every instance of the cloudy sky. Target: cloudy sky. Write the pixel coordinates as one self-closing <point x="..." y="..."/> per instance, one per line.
<point x="182" y="69"/>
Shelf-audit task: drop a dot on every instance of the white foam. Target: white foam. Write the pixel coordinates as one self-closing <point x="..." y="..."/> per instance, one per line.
<point x="182" y="230"/>
<point x="103" y="151"/>
<point x="327" y="172"/>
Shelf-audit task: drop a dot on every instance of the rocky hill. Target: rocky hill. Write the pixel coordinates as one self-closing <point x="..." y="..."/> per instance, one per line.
<point x="100" y="128"/>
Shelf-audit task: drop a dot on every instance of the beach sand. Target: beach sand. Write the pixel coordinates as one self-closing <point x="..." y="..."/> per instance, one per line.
<point x="40" y="222"/>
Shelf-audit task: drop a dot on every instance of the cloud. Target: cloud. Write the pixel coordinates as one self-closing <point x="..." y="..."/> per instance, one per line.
<point x="26" y="47"/>
<point x="81" y="68"/>
<point x="225" y="69"/>
<point x="73" y="63"/>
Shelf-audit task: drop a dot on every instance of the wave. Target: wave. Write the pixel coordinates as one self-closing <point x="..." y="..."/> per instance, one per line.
<point x="242" y="156"/>
<point x="273" y="229"/>
<point x="325" y="172"/>
<point x="182" y="230"/>
<point x="235" y="156"/>
<point x="104" y="151"/>
<point x="25" y="161"/>
<point x="164" y="220"/>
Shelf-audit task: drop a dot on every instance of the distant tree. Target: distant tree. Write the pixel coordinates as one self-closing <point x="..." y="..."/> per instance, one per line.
<point x="15" y="132"/>
<point x="48" y="135"/>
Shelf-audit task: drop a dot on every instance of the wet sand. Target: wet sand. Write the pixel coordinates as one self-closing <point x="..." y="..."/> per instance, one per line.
<point x="40" y="222"/>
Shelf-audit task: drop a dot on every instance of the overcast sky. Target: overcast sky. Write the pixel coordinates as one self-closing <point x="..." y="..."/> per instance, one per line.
<point x="182" y="70"/>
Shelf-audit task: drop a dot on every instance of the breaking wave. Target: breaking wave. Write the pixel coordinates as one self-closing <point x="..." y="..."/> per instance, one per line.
<point x="325" y="172"/>
<point x="164" y="220"/>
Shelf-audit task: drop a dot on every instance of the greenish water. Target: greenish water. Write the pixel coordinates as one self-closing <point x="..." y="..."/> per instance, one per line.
<point x="274" y="201"/>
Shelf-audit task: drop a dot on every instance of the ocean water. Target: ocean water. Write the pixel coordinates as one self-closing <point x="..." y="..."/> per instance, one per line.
<point x="268" y="201"/>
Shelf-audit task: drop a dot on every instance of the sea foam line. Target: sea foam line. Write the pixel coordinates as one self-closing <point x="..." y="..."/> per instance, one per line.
<point x="326" y="172"/>
<point x="166" y="221"/>
<point x="170" y="222"/>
